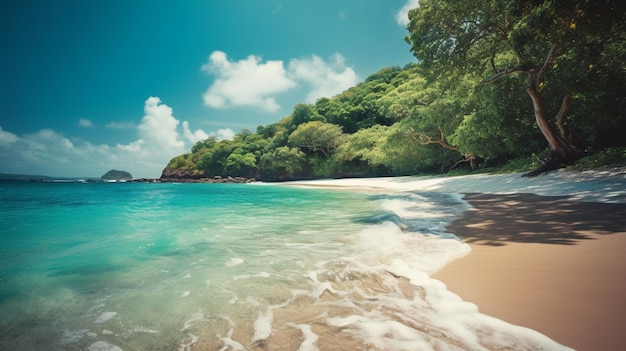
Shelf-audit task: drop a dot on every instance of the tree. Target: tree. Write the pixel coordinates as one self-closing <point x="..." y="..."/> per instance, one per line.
<point x="303" y="113"/>
<point x="213" y="161"/>
<point x="240" y="163"/>
<point x="317" y="136"/>
<point x="363" y="152"/>
<point x="284" y="161"/>
<point x="555" y="44"/>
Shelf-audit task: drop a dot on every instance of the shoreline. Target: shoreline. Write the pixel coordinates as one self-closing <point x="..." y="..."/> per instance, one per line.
<point x="546" y="263"/>
<point x="551" y="262"/>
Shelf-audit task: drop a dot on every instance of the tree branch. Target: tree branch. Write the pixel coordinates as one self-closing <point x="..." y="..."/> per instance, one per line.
<point x="565" y="132"/>
<point x="546" y="63"/>
<point x="493" y="63"/>
<point x="526" y="68"/>
<point x="425" y="139"/>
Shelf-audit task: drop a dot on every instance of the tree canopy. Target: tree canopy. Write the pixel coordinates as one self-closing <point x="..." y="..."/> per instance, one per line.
<point x="493" y="81"/>
<point x="560" y="46"/>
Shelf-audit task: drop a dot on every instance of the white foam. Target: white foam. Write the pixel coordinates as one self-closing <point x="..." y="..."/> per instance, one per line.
<point x="433" y="319"/>
<point x="607" y="185"/>
<point x="185" y="293"/>
<point x="105" y="317"/>
<point x="187" y="346"/>
<point x="310" y="338"/>
<point x="247" y="276"/>
<point x="410" y="209"/>
<point x="193" y="318"/>
<point x="144" y="330"/>
<point x="103" y="346"/>
<point x="411" y="253"/>
<point x="235" y="261"/>
<point x="229" y="343"/>
<point x="263" y="326"/>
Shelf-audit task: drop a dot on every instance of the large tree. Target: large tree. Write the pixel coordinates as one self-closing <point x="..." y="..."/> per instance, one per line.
<point x="317" y="136"/>
<point x="560" y="45"/>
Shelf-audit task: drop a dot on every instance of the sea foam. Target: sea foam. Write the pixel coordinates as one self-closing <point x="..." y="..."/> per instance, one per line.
<point x="226" y="266"/>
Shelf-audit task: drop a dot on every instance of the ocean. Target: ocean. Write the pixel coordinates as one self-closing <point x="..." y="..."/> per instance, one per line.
<point x="165" y="266"/>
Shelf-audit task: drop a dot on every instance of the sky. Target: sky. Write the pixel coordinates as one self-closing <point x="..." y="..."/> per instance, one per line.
<point x="91" y="85"/>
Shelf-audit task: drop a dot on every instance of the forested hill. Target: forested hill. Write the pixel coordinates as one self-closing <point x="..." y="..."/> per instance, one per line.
<point x="454" y="109"/>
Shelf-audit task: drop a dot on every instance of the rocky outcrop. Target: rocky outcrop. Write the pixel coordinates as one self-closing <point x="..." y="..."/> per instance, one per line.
<point x="177" y="173"/>
<point x="194" y="176"/>
<point x="117" y="175"/>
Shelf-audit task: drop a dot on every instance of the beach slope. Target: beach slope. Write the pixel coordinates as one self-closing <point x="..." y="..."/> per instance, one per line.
<point x="547" y="263"/>
<point x="547" y="253"/>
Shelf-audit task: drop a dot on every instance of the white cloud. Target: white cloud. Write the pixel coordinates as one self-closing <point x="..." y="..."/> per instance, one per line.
<point x="223" y="134"/>
<point x="51" y="153"/>
<point x="158" y="126"/>
<point x="7" y="138"/>
<point x="325" y="79"/>
<point x="85" y="123"/>
<point x="251" y="82"/>
<point x="402" y="17"/>
<point x="246" y="82"/>
<point x="193" y="137"/>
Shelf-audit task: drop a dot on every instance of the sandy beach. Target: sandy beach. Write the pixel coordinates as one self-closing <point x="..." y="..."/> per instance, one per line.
<point x="554" y="264"/>
<point x="546" y="263"/>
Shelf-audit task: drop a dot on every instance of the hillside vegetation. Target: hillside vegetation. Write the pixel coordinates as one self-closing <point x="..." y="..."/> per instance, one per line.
<point x="494" y="82"/>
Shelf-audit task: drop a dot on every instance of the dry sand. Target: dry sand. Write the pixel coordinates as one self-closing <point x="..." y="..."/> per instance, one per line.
<point x="546" y="263"/>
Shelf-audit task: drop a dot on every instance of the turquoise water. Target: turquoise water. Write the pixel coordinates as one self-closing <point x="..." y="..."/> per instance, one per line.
<point x="138" y="266"/>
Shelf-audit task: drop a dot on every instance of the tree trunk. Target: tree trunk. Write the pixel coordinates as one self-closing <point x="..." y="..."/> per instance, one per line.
<point x="562" y="152"/>
<point x="556" y="143"/>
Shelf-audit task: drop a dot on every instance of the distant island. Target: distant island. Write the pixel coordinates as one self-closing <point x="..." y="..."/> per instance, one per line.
<point x="117" y="175"/>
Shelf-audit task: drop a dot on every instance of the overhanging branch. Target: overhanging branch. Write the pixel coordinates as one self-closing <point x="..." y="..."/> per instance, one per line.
<point x="527" y="68"/>
<point x="426" y="139"/>
<point x="545" y="65"/>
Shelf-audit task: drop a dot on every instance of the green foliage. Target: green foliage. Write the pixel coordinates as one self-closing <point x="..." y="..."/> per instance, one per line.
<point x="284" y="161"/>
<point x="303" y="113"/>
<point x="563" y="48"/>
<point x="365" y="145"/>
<point x="615" y="156"/>
<point x="520" y="164"/>
<point x="241" y="163"/>
<point x="427" y="116"/>
<point x="317" y="136"/>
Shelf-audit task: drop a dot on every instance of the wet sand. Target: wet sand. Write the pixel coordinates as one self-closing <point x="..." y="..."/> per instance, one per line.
<point x="546" y="263"/>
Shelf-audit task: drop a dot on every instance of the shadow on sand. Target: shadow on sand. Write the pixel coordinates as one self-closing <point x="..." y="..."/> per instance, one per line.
<point x="527" y="218"/>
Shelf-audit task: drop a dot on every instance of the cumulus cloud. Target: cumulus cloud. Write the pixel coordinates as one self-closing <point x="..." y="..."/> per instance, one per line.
<point x="252" y="82"/>
<point x="325" y="79"/>
<point x="158" y="126"/>
<point x="195" y="136"/>
<point x="7" y="138"/>
<point x="402" y="16"/>
<point x="49" y="152"/>
<point x="248" y="82"/>
<point x="85" y="123"/>
<point x="223" y="134"/>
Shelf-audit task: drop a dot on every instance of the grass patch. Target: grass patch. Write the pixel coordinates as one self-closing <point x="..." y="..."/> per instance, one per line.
<point x="615" y="156"/>
<point x="518" y="165"/>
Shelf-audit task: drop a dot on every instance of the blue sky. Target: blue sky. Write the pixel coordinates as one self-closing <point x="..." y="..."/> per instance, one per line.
<point x="92" y="85"/>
